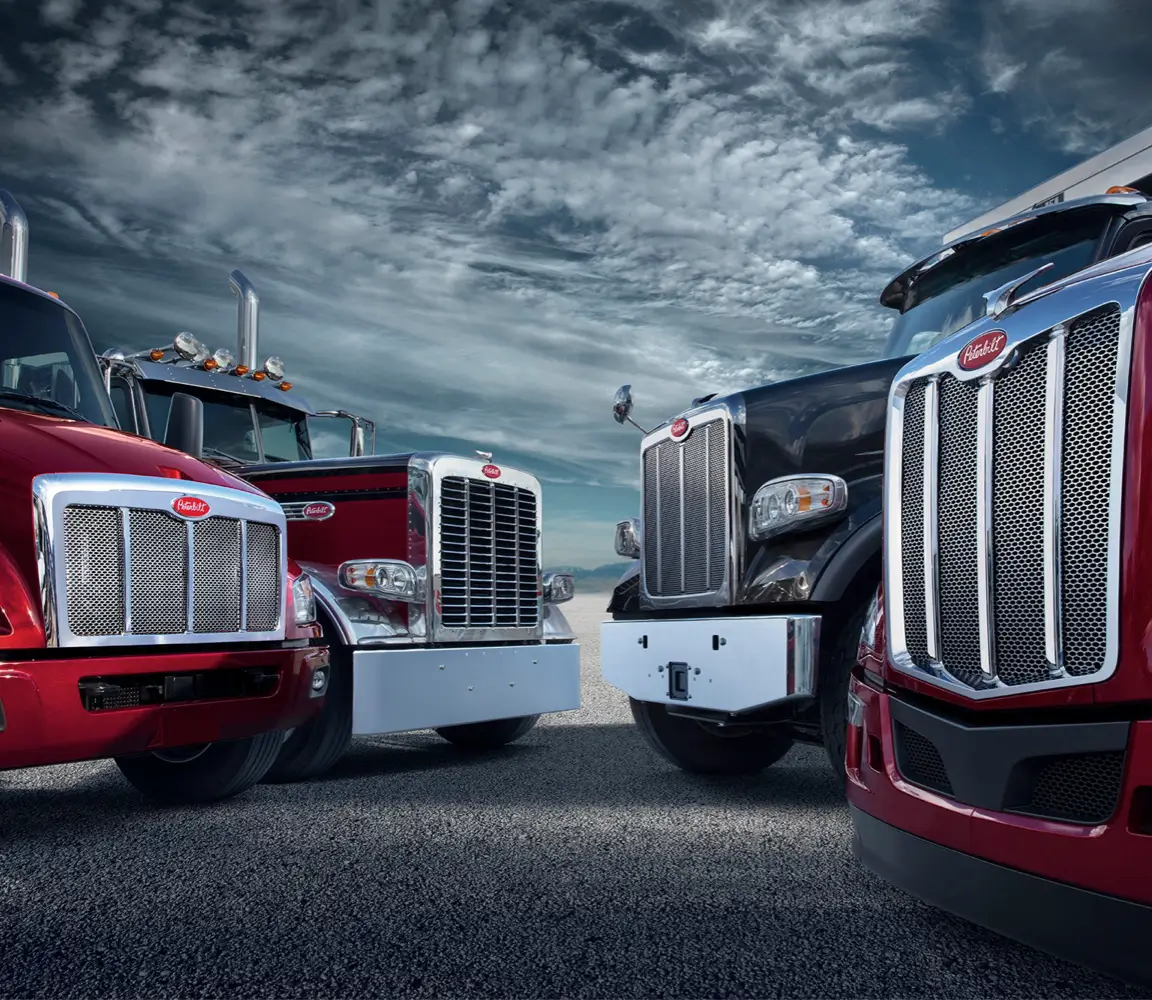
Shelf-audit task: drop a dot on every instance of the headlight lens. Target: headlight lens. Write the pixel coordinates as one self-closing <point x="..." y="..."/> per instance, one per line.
<point x="558" y="587"/>
<point x="628" y="538"/>
<point x="795" y="502"/>
<point x="304" y="599"/>
<point x="392" y="578"/>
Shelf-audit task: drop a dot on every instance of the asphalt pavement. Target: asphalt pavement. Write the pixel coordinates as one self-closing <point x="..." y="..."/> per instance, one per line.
<point x="572" y="864"/>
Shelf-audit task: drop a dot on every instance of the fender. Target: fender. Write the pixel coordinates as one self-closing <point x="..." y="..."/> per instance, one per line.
<point x="852" y="556"/>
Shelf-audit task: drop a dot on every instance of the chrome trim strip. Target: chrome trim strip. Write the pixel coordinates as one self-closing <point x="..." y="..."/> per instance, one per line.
<point x="54" y="492"/>
<point x="1117" y="281"/>
<point x="1053" y="455"/>
<point x="931" y="517"/>
<point x="191" y="579"/>
<point x="731" y="410"/>
<point x="707" y="507"/>
<point x="803" y="654"/>
<point x="244" y="576"/>
<point x="126" y="537"/>
<point x="984" y="542"/>
<point x="680" y="470"/>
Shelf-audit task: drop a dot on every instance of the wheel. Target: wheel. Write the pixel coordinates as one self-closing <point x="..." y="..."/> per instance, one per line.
<point x="311" y="750"/>
<point x="703" y="748"/>
<point x="837" y="661"/>
<point x="488" y="735"/>
<point x="204" y="773"/>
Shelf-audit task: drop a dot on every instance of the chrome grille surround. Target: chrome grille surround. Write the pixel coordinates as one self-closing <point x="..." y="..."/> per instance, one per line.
<point x="148" y="576"/>
<point x="996" y="619"/>
<point x="481" y="548"/>
<point x="693" y="523"/>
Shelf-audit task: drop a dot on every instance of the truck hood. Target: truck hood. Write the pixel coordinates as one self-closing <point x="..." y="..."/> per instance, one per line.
<point x="33" y="444"/>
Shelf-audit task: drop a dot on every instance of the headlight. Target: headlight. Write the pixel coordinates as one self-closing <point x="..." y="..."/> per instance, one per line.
<point x="558" y="587"/>
<point x="628" y="538"/>
<point x="795" y="502"/>
<point x="392" y="578"/>
<point x="304" y="599"/>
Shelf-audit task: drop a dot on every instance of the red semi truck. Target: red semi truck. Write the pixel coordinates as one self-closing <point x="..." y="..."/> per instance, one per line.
<point x="148" y="610"/>
<point x="999" y="742"/>
<point x="426" y="566"/>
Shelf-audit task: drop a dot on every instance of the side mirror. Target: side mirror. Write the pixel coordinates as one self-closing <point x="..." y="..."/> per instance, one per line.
<point x="622" y="404"/>
<point x="622" y="408"/>
<point x="185" y="430"/>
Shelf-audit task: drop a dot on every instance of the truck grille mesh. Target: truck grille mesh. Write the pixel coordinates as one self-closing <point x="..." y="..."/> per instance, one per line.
<point x="1019" y="450"/>
<point x="489" y="555"/>
<point x="686" y="502"/>
<point x="127" y="572"/>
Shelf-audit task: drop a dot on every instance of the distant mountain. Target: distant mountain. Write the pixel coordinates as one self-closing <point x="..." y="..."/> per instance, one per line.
<point x="590" y="581"/>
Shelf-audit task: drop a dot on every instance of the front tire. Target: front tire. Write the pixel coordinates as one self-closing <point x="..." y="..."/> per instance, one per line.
<point x="835" y="674"/>
<point x="701" y="748"/>
<point x="194" y="775"/>
<point x="312" y="749"/>
<point x="479" y="736"/>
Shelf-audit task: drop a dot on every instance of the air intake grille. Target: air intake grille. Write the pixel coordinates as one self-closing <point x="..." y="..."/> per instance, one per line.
<point x="132" y="571"/>
<point x="686" y="503"/>
<point x="1053" y="408"/>
<point x="489" y="555"/>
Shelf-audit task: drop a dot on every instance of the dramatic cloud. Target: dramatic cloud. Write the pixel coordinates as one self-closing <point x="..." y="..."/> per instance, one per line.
<point x="472" y="220"/>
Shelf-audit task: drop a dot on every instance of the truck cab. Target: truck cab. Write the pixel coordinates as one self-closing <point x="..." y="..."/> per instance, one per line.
<point x="426" y="566"/>
<point x="758" y="550"/>
<point x="148" y="609"/>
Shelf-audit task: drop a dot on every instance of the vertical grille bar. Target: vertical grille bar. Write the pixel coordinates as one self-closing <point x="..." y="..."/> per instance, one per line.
<point x="984" y="541"/>
<point x="1053" y="453"/>
<point x="244" y="576"/>
<point x="190" y="597"/>
<point x="931" y="523"/>
<point x="126" y="528"/>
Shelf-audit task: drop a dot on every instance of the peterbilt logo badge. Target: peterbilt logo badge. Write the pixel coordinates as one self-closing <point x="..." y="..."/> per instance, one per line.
<point x="491" y="471"/>
<point x="191" y="507"/>
<point x="679" y="428"/>
<point x="982" y="350"/>
<point x="318" y="510"/>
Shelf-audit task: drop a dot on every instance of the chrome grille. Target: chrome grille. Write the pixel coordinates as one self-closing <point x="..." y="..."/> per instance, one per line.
<point x="127" y="573"/>
<point x="1026" y="482"/>
<point x="686" y="496"/>
<point x="489" y="555"/>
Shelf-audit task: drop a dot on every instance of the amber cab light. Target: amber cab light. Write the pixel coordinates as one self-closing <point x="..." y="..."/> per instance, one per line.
<point x="259" y="376"/>
<point x="241" y="370"/>
<point x="285" y="386"/>
<point x="156" y="354"/>
<point x="210" y="364"/>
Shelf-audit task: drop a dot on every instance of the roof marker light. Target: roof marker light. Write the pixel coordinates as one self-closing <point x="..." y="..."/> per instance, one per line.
<point x="285" y="386"/>
<point x="259" y="376"/>
<point x="241" y="370"/>
<point x="156" y="353"/>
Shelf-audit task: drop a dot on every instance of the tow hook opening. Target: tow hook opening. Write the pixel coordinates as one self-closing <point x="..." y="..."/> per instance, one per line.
<point x="678" y="681"/>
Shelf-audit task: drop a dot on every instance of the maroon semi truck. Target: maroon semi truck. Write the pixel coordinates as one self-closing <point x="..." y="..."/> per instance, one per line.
<point x="148" y="609"/>
<point x="999" y="740"/>
<point x="426" y="566"/>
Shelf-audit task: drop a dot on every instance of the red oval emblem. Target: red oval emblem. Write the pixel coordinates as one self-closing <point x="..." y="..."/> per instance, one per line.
<point x="491" y="471"/>
<point x="983" y="350"/>
<point x="318" y="510"/>
<point x="679" y="428"/>
<point x="191" y="507"/>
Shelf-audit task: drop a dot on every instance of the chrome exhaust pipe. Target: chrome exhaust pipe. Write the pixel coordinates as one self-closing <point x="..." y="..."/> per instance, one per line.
<point x="13" y="238"/>
<point x="247" y="319"/>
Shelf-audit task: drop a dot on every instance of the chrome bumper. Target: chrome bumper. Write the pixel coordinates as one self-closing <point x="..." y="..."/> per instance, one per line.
<point x="719" y="664"/>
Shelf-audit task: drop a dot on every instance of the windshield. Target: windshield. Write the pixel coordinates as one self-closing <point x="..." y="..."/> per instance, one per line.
<point x="47" y="364"/>
<point x="234" y="427"/>
<point x="950" y="295"/>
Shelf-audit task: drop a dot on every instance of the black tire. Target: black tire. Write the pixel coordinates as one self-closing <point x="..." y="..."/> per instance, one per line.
<point x="488" y="735"/>
<point x="216" y="771"/>
<point x="837" y="661"/>
<point x="701" y="748"/>
<point x="312" y="749"/>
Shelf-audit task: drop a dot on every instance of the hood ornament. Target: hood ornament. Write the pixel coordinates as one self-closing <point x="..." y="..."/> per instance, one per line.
<point x="486" y="455"/>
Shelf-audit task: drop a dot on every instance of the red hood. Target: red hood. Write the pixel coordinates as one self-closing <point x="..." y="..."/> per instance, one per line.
<point x="32" y="445"/>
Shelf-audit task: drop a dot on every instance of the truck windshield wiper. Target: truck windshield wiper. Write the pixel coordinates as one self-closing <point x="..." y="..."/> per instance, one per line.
<point x="217" y="453"/>
<point x="46" y="403"/>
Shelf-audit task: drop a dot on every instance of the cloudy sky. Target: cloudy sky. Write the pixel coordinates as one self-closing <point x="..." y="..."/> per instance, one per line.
<point x="472" y="220"/>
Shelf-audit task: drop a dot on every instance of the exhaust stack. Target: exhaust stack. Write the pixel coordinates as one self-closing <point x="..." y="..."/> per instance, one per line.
<point x="247" y="319"/>
<point x="13" y="238"/>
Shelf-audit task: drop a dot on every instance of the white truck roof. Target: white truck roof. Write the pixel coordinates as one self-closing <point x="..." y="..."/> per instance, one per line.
<point x="1128" y="163"/>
